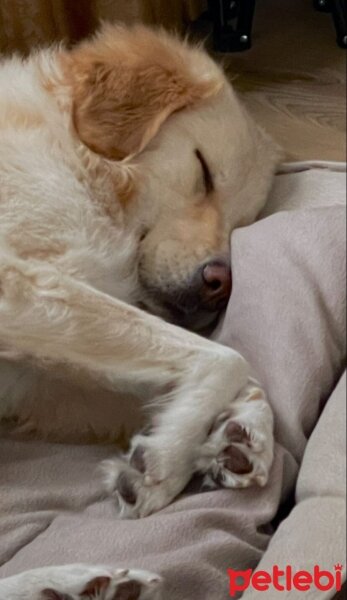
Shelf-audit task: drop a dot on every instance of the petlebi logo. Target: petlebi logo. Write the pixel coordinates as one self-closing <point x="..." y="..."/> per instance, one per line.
<point x="286" y="579"/>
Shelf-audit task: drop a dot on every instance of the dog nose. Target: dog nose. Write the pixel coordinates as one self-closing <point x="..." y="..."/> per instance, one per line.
<point x="216" y="278"/>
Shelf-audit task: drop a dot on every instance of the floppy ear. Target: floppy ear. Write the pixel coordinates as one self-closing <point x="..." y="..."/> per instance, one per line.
<point x="119" y="104"/>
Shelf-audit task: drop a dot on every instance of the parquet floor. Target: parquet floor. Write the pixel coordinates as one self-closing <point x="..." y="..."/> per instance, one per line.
<point x="294" y="79"/>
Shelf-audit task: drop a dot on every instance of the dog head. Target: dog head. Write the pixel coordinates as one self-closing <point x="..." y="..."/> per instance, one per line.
<point x="199" y="165"/>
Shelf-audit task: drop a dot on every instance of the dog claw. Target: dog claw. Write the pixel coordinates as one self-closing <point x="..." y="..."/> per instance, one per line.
<point x="122" y="572"/>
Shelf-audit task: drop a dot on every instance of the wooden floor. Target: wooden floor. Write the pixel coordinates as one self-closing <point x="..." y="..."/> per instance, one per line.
<point x="294" y="79"/>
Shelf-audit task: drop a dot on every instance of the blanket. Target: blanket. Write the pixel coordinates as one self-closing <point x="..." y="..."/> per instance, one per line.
<point x="287" y="317"/>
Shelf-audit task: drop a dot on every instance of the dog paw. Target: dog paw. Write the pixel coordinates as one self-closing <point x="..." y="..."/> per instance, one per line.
<point x="239" y="449"/>
<point x="137" y="486"/>
<point x="120" y="585"/>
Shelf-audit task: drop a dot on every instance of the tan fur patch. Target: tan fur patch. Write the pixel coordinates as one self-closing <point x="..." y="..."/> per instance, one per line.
<point x="124" y="184"/>
<point x="33" y="247"/>
<point x="19" y="117"/>
<point x="125" y="84"/>
<point x="201" y="223"/>
<point x="257" y="395"/>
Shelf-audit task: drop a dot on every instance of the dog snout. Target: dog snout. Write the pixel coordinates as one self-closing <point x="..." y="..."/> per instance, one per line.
<point x="215" y="284"/>
<point x="197" y="303"/>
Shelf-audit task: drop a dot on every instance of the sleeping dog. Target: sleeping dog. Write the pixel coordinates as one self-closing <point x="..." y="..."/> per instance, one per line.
<point x="125" y="163"/>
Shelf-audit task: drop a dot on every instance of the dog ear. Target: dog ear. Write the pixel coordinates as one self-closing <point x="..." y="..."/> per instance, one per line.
<point x="121" y="99"/>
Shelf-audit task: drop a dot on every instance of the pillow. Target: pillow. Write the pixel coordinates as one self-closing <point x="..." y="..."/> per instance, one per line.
<point x="287" y="316"/>
<point x="287" y="313"/>
<point x="315" y="531"/>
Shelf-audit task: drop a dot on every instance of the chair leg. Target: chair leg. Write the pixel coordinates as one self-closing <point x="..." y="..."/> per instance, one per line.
<point x="322" y="5"/>
<point x="338" y="8"/>
<point x="233" y="22"/>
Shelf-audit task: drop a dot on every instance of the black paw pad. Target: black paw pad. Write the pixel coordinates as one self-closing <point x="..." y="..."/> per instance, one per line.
<point x="137" y="459"/>
<point x="235" y="461"/>
<point x="96" y="587"/>
<point x="53" y="595"/>
<point x="236" y="433"/>
<point x="129" y="590"/>
<point x="126" y="490"/>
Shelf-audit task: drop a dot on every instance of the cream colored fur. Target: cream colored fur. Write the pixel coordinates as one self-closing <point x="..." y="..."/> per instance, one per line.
<point x="102" y="205"/>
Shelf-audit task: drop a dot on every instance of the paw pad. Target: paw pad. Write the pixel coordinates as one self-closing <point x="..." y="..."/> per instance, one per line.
<point x="53" y="595"/>
<point x="129" y="590"/>
<point x="137" y="460"/>
<point x="235" y="461"/>
<point x="238" y="451"/>
<point x="236" y="433"/>
<point x="95" y="587"/>
<point x="126" y="489"/>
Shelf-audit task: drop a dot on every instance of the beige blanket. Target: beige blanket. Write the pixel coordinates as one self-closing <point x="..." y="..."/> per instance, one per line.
<point x="287" y="316"/>
<point x="314" y="532"/>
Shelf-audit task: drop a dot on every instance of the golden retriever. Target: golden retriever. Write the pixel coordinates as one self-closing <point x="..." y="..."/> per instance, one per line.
<point x="125" y="163"/>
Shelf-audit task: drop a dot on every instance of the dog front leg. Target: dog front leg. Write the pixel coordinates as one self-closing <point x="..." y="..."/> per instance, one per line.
<point x="51" y="316"/>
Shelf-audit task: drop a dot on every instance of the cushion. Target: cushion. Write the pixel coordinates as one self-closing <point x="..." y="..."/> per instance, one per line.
<point x="287" y="316"/>
<point x="315" y="531"/>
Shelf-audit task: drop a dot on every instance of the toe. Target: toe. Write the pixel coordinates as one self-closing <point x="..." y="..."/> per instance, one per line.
<point x="96" y="587"/>
<point x="219" y="422"/>
<point x="236" y="433"/>
<point x="137" y="586"/>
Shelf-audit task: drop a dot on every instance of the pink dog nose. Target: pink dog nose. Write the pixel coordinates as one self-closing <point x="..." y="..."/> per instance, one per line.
<point x="216" y="277"/>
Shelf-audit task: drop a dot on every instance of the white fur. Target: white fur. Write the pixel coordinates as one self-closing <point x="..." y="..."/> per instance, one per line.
<point x="72" y="262"/>
<point x="72" y="579"/>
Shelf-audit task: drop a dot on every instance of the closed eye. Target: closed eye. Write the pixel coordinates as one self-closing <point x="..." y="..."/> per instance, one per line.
<point x="208" y="179"/>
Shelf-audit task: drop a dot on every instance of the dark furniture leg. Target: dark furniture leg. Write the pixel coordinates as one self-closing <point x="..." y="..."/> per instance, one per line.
<point x="233" y="21"/>
<point x="339" y="11"/>
<point x="338" y="8"/>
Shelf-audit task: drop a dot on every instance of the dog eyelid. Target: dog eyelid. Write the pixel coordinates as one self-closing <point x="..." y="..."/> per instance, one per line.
<point x="208" y="179"/>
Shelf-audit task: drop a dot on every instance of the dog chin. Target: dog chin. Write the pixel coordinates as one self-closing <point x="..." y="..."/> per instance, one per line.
<point x="199" y="321"/>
